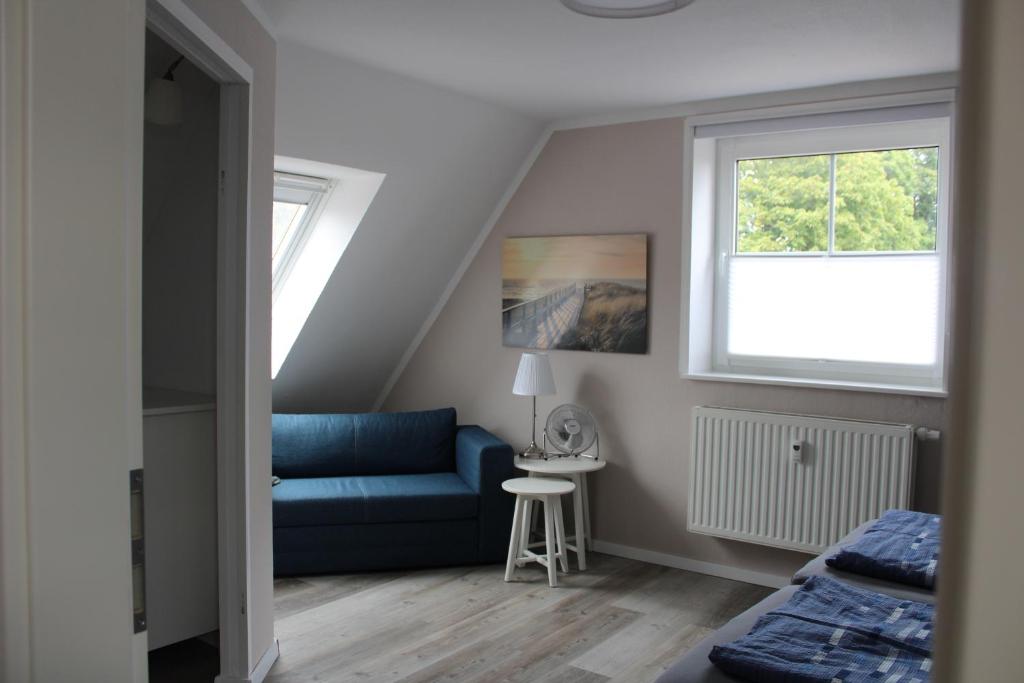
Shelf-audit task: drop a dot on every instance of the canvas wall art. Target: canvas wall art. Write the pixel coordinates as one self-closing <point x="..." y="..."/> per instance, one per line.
<point x="582" y="293"/>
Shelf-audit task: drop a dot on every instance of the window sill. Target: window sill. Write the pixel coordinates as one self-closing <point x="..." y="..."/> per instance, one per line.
<point x="842" y="385"/>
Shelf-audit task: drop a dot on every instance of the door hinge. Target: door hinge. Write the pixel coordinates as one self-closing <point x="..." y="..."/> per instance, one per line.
<point x="138" y="550"/>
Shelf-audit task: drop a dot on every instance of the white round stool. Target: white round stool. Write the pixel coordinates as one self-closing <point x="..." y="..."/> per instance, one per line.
<point x="575" y="470"/>
<point x="549" y="492"/>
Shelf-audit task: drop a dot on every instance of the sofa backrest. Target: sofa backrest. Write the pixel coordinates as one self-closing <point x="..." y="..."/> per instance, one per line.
<point x="342" y="445"/>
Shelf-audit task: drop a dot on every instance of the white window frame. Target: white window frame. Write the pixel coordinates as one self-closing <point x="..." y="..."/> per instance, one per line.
<point x="710" y="210"/>
<point x="300" y="189"/>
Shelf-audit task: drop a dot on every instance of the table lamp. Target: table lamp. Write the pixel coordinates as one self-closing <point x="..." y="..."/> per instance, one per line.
<point x="534" y="379"/>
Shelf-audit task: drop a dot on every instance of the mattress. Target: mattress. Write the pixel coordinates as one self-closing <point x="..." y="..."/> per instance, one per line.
<point x="817" y="567"/>
<point x="695" y="667"/>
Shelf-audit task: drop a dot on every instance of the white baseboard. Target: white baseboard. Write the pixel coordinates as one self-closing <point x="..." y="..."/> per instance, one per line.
<point x="680" y="562"/>
<point x="266" y="661"/>
<point x="261" y="669"/>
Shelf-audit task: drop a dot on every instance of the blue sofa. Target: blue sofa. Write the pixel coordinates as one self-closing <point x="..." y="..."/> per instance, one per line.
<point x="387" y="490"/>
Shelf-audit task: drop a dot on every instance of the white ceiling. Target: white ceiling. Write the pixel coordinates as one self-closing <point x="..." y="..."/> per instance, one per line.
<point x="539" y="58"/>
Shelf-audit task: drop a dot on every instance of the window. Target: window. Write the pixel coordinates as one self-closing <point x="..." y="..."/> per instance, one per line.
<point x="317" y="209"/>
<point x="298" y="200"/>
<point x="830" y="249"/>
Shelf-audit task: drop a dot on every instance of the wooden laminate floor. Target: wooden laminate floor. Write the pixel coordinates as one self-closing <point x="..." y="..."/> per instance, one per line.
<point x="621" y="620"/>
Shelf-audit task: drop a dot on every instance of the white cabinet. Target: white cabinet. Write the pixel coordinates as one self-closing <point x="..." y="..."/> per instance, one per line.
<point x="180" y="465"/>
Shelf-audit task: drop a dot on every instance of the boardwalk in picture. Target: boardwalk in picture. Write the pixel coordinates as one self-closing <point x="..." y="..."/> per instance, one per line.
<point x="541" y="323"/>
<point x="557" y="322"/>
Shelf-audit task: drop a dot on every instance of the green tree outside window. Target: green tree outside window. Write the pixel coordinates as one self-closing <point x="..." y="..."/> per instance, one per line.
<point x="884" y="201"/>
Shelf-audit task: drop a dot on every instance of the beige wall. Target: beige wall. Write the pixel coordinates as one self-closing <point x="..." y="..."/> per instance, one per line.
<point x="620" y="178"/>
<point x="981" y="599"/>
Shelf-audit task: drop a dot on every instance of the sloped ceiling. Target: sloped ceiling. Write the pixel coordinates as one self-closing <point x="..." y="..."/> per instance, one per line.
<point x="538" y="57"/>
<point x="448" y="159"/>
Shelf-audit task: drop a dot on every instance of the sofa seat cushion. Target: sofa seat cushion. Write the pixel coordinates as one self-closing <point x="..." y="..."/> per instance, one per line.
<point x="371" y="500"/>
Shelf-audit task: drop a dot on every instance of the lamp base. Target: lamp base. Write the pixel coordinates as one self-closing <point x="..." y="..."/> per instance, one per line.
<point x="533" y="451"/>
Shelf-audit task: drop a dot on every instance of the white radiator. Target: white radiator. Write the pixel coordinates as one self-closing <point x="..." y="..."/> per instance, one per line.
<point x="794" y="481"/>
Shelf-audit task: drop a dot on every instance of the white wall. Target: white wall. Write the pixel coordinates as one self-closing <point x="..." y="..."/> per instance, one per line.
<point x="179" y="218"/>
<point x="71" y="405"/>
<point x="70" y="332"/>
<point x="981" y="599"/>
<point x="447" y="159"/>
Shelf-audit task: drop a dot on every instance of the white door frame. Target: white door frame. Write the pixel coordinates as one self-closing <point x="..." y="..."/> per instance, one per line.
<point x="179" y="26"/>
<point x="15" y="637"/>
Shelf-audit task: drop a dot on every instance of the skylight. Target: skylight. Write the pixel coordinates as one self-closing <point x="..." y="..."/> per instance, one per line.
<point x="317" y="209"/>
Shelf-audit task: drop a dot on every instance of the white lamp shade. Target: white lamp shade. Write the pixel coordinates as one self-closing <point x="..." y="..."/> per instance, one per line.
<point x="534" y="376"/>
<point x="163" y="102"/>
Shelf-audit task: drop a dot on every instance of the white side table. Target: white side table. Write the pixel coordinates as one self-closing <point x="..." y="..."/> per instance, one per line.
<point x="575" y="470"/>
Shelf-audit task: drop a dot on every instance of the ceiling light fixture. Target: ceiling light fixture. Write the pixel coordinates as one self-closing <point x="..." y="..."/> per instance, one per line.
<point x="625" y="9"/>
<point x="164" y="98"/>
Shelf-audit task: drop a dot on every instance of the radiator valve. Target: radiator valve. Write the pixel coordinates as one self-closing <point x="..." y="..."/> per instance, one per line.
<point x="796" y="451"/>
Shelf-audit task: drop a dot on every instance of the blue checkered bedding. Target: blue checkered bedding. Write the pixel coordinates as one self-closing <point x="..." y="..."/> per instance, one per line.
<point x="830" y="631"/>
<point x="902" y="546"/>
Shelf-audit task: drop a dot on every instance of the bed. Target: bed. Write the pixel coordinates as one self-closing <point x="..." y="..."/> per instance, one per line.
<point x="695" y="667"/>
<point x="817" y="567"/>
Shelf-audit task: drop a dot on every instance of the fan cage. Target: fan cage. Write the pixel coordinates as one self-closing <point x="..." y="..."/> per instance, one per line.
<point x="580" y="414"/>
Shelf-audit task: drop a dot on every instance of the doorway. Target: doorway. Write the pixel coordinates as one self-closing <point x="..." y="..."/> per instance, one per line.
<point x="196" y="225"/>
<point x="179" y="365"/>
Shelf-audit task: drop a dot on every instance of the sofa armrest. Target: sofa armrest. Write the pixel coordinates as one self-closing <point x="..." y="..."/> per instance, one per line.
<point x="484" y="461"/>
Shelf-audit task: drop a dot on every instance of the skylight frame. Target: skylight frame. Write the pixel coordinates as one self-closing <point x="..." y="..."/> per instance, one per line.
<point x="294" y="188"/>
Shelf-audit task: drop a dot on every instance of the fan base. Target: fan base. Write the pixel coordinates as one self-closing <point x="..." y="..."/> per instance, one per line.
<point x="534" y="451"/>
<point x="555" y="455"/>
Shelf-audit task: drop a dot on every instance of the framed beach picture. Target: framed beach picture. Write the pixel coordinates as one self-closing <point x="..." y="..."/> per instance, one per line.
<point x="580" y="292"/>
